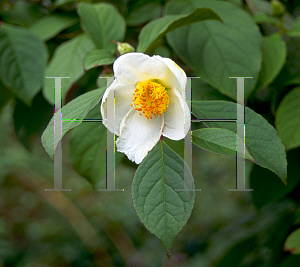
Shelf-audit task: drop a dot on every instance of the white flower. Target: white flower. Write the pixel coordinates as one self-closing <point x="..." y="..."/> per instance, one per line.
<point x="149" y="102"/>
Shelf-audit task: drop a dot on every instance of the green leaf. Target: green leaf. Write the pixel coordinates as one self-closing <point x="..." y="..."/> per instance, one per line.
<point x="290" y="73"/>
<point x="292" y="243"/>
<point x="176" y="145"/>
<point x="262" y="140"/>
<point x="218" y="140"/>
<point x="30" y="121"/>
<point x="295" y="31"/>
<point x="98" y="57"/>
<point x="261" y="179"/>
<point x="236" y="2"/>
<point x="102" y="22"/>
<point x="48" y="27"/>
<point x="203" y="91"/>
<point x="262" y="7"/>
<point x="162" y="51"/>
<point x="74" y="111"/>
<point x="88" y="149"/>
<point x="287" y="119"/>
<point x="23" y="58"/>
<point x="292" y="260"/>
<point x="274" y="55"/>
<point x="59" y="3"/>
<point x="264" y="18"/>
<point x="217" y="51"/>
<point x="297" y="216"/>
<point x="22" y="13"/>
<point x="140" y="15"/>
<point x="67" y="61"/>
<point x="262" y="230"/>
<point x="159" y="27"/>
<point x="5" y="95"/>
<point x="160" y="208"/>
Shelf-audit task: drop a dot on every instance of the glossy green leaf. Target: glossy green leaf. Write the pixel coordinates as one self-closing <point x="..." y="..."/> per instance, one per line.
<point x="160" y="208"/>
<point x="274" y="55"/>
<point x="48" y="27"/>
<point x="140" y="15"/>
<point x="102" y="22"/>
<point x="290" y="73"/>
<point x="23" y="13"/>
<point x="218" y="140"/>
<point x="262" y="140"/>
<point x="287" y="119"/>
<point x="98" y="57"/>
<point x="162" y="51"/>
<point x="292" y="243"/>
<point x="217" y="51"/>
<point x="67" y="61"/>
<point x="261" y="179"/>
<point x="159" y="27"/>
<point x="203" y="91"/>
<point x="88" y="148"/>
<point x="295" y="31"/>
<point x="74" y="112"/>
<point x="23" y="58"/>
<point x="176" y="145"/>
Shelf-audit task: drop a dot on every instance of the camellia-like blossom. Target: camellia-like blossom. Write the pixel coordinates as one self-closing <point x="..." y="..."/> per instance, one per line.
<point x="149" y="102"/>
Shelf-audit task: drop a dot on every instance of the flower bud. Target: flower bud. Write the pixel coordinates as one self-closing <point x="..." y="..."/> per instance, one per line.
<point x="125" y="48"/>
<point x="277" y="8"/>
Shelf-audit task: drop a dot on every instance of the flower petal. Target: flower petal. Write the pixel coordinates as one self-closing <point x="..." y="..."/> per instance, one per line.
<point x="177" y="118"/>
<point x="178" y="76"/>
<point x="135" y="67"/>
<point x="138" y="135"/>
<point x="132" y="68"/>
<point x="123" y="100"/>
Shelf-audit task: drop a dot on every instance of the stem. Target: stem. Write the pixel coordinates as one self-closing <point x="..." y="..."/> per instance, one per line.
<point x="69" y="35"/>
<point x="251" y="7"/>
<point x="113" y="41"/>
<point x="282" y="29"/>
<point x="117" y="43"/>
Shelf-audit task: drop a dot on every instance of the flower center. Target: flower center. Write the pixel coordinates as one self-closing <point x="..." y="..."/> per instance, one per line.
<point x="150" y="98"/>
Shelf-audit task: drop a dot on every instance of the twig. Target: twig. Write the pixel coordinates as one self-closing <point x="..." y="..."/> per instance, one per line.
<point x="251" y="7"/>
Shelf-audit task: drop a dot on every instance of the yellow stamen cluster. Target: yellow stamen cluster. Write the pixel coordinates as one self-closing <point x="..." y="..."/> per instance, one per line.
<point x="150" y="98"/>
